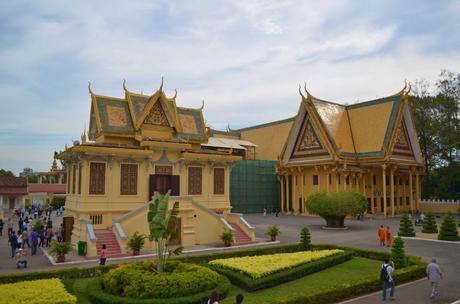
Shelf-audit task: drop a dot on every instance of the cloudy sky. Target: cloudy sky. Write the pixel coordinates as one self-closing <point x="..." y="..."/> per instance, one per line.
<point x="244" y="58"/>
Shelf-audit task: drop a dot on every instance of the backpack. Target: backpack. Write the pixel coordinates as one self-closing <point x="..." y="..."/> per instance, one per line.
<point x="384" y="274"/>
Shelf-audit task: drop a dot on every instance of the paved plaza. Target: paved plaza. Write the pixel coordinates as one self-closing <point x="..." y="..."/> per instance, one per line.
<point x="362" y="234"/>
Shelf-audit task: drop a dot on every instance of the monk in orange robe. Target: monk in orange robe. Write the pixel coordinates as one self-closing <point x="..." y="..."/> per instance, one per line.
<point x="381" y="234"/>
<point x="388" y="236"/>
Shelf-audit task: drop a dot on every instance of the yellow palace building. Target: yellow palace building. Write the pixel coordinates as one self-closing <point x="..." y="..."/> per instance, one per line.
<point x="137" y="145"/>
<point x="371" y="147"/>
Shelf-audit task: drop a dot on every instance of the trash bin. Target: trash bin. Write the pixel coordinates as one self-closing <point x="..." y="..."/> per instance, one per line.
<point x="81" y="248"/>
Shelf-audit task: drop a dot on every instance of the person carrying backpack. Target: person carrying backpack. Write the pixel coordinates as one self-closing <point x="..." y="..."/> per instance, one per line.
<point x="385" y="275"/>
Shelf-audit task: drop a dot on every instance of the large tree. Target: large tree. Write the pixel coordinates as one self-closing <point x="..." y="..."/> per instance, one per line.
<point x="4" y="172"/>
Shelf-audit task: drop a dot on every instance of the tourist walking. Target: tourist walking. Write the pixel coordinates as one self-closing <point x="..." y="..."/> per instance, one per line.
<point x="104" y="255"/>
<point x="19" y="239"/>
<point x="1" y="226"/>
<point x="388" y="236"/>
<point x="434" y="275"/>
<point x="48" y="236"/>
<point x="265" y="211"/>
<point x="34" y="237"/>
<point x="388" y="282"/>
<point x="9" y="226"/>
<point x="25" y="238"/>
<point x="13" y="239"/>
<point x="381" y="234"/>
<point x="239" y="298"/>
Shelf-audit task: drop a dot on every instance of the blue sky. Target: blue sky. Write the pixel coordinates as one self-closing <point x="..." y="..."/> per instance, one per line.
<point x="244" y="58"/>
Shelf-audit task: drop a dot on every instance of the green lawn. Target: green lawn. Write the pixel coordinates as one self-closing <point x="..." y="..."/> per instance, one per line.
<point x="346" y="273"/>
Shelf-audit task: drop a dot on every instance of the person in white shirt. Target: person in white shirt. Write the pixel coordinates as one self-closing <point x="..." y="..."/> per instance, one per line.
<point x="434" y="274"/>
<point x="388" y="268"/>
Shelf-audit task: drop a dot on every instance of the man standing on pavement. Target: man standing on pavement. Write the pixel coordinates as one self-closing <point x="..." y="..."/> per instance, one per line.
<point x="434" y="274"/>
<point x="13" y="239"/>
<point x="385" y="274"/>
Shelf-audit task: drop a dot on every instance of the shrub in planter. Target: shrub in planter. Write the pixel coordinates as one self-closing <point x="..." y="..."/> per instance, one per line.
<point x="448" y="230"/>
<point x="136" y="242"/>
<point x="227" y="237"/>
<point x="405" y="227"/>
<point x="38" y="225"/>
<point x="335" y="206"/>
<point x="305" y="241"/>
<point x="273" y="232"/>
<point x="59" y="250"/>
<point x="397" y="253"/>
<point x="141" y="280"/>
<point x="429" y="224"/>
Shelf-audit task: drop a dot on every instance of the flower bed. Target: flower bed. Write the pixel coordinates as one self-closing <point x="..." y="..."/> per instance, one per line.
<point x="260" y="266"/>
<point x="244" y="281"/>
<point x="50" y="291"/>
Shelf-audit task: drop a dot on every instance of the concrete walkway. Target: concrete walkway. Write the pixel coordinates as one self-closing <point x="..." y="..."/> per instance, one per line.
<point x="363" y="234"/>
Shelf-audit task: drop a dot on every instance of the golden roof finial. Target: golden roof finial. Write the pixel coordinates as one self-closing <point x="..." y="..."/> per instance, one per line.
<point x="89" y="88"/>
<point x="300" y="92"/>
<point x="305" y="88"/>
<point x="202" y="105"/>
<point x="403" y="89"/>
<point x="83" y="137"/>
<point x="161" y="86"/>
<point x="408" y="89"/>
<point x="124" y="85"/>
<point x="175" y="94"/>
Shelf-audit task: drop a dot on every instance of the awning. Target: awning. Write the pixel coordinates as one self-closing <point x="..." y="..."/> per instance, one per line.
<point x="227" y="143"/>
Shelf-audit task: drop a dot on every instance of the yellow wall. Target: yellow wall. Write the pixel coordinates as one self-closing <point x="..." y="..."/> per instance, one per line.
<point x="269" y="139"/>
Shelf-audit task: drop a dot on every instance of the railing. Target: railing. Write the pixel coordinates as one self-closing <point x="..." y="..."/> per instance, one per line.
<point x="439" y="202"/>
<point x="120" y="231"/>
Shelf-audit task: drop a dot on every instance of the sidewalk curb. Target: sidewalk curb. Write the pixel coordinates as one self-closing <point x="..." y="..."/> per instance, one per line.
<point x="260" y="244"/>
<point x="380" y="292"/>
<point x="429" y="240"/>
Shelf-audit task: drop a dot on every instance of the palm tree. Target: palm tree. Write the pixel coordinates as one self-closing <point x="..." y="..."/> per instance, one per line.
<point x="162" y="227"/>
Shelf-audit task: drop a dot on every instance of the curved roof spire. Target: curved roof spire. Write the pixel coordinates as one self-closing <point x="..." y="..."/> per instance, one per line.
<point x="202" y="105"/>
<point x="305" y="88"/>
<point x="408" y="89"/>
<point x="124" y="85"/>
<point x="161" y="86"/>
<point x="403" y="89"/>
<point x="89" y="88"/>
<point x="175" y="94"/>
<point x="300" y="92"/>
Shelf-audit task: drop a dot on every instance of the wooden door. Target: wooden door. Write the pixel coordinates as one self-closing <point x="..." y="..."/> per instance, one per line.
<point x="178" y="240"/>
<point x="67" y="226"/>
<point x="163" y="183"/>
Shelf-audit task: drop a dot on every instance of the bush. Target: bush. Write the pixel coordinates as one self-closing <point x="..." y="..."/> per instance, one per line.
<point x="227" y="237"/>
<point x="405" y="227"/>
<point x="449" y="230"/>
<point x="273" y="232"/>
<point x="137" y="241"/>
<point x="60" y="249"/>
<point x="50" y="291"/>
<point x="249" y="284"/>
<point x="397" y="253"/>
<point x="335" y="206"/>
<point x="97" y="295"/>
<point x="141" y="281"/>
<point x="38" y="225"/>
<point x="429" y="224"/>
<point x="305" y="241"/>
<point x="57" y="202"/>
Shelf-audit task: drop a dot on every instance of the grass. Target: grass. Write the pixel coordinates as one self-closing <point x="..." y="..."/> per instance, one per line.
<point x="346" y="273"/>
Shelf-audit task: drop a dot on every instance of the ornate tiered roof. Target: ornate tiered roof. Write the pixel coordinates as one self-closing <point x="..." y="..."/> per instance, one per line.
<point x="127" y="116"/>
<point x="377" y="129"/>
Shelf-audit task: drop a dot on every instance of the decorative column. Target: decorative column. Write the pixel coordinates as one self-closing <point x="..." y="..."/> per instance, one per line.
<point x="287" y="193"/>
<point x="295" y="201"/>
<point x="411" y="195"/>
<point x="398" y="193"/>
<point x="326" y="171"/>
<point x="345" y="177"/>
<point x="302" y="195"/>
<point x="337" y="176"/>
<point x="384" y="190"/>
<point x="282" y="192"/>
<point x="417" y="190"/>
<point x="404" y="192"/>
<point x="392" y="192"/>
<point x="372" y="192"/>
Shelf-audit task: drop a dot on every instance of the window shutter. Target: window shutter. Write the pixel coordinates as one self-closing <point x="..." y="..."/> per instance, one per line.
<point x="219" y="180"/>
<point x="194" y="180"/>
<point x="175" y="185"/>
<point x="128" y="179"/>
<point x="97" y="178"/>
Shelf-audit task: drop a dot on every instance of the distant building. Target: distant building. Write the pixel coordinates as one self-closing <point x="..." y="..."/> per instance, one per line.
<point x="13" y="191"/>
<point x="26" y="172"/>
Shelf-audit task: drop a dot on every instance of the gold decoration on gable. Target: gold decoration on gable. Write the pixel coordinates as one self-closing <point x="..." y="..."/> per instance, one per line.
<point x="402" y="145"/>
<point x="116" y="116"/>
<point x="307" y="142"/>
<point x="156" y="116"/>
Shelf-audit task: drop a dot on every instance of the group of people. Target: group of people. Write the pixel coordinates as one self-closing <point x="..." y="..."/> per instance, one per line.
<point x="385" y="236"/>
<point x="34" y="229"/>
<point x="214" y="298"/>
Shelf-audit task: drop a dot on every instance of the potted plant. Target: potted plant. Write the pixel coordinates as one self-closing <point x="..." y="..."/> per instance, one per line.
<point x="59" y="250"/>
<point x="227" y="237"/>
<point x="273" y="232"/>
<point x="136" y="242"/>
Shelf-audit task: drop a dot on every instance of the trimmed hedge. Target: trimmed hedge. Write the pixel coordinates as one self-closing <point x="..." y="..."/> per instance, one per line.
<point x="335" y="294"/>
<point x="63" y="274"/>
<point x="139" y="281"/>
<point x="97" y="295"/>
<point x="250" y="284"/>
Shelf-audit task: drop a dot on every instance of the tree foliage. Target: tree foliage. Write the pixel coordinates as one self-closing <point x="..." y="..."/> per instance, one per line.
<point x="57" y="202"/>
<point x="4" y="172"/>
<point x="429" y="224"/>
<point x="335" y="206"/>
<point x="397" y="253"/>
<point x="448" y="230"/>
<point x="405" y="227"/>
<point x="162" y="227"/>
<point x="305" y="239"/>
